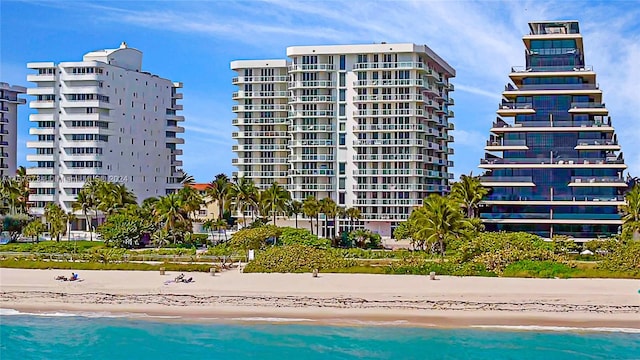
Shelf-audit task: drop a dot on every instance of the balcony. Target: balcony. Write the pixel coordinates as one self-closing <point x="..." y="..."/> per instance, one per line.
<point x="311" y="128"/>
<point x="311" y="158"/>
<point x="389" y="97"/>
<point x="312" y="113"/>
<point x="311" y="67"/>
<point x="551" y="89"/>
<point x="385" y="127"/>
<point x="388" y="187"/>
<point x="597" y="181"/>
<point x="312" y="172"/>
<point x="311" y="84"/>
<point x="502" y="145"/>
<point x="513" y="109"/>
<point x="389" y="142"/>
<point x="389" y="82"/>
<point x="388" y="65"/>
<point x="260" y="94"/>
<point x="259" y="134"/>
<point x="318" y="187"/>
<point x="390" y="202"/>
<point x="565" y="68"/>
<point x="378" y="172"/>
<point x="389" y="112"/>
<point x="388" y="157"/>
<point x="261" y="174"/>
<point x="259" y="121"/>
<point x="248" y="161"/>
<point x="42" y="104"/>
<point x="551" y="163"/>
<point x="588" y="108"/>
<point x="538" y="126"/>
<point x="597" y="144"/>
<point x="251" y="147"/>
<point x="510" y="181"/>
<point x="385" y="217"/>
<point x="272" y="107"/>
<point x="316" y="142"/>
<point x="259" y="79"/>
<point x="312" y="99"/>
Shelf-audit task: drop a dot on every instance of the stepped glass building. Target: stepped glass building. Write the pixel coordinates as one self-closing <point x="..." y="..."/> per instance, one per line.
<point x="553" y="161"/>
<point x="365" y="125"/>
<point x="102" y="117"/>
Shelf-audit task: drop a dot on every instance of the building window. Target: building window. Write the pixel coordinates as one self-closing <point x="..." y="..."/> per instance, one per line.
<point x="341" y="183"/>
<point x="342" y="140"/>
<point x="342" y="168"/>
<point x="343" y="80"/>
<point x="341" y="199"/>
<point x="343" y="62"/>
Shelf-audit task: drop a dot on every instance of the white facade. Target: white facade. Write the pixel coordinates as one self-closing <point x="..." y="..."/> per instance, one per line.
<point x="102" y="117"/>
<point x="368" y="126"/>
<point x="9" y="102"/>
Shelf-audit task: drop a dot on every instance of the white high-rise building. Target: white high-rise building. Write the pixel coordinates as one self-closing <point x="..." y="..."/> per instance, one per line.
<point x="368" y="126"/>
<point x="102" y="117"/>
<point x="9" y="102"/>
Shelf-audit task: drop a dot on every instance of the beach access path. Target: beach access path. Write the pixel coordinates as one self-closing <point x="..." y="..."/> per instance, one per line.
<point x="332" y="298"/>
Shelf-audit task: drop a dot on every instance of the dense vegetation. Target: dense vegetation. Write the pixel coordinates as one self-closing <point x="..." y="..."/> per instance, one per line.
<point x="445" y="232"/>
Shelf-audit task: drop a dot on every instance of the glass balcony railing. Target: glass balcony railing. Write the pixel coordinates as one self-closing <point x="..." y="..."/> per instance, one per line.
<point x="586" y="142"/>
<point x="548" y="216"/>
<point x="547" y="197"/>
<point x="506" y="179"/>
<point x="596" y="179"/>
<point x="522" y="142"/>
<point x="554" y="87"/>
<point x="587" y="105"/>
<point x="517" y="106"/>
<point x="503" y="124"/>
<point x="562" y="161"/>
<point x="520" y="69"/>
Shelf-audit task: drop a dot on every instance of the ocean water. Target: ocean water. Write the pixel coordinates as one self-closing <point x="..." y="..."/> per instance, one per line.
<point x="101" y="336"/>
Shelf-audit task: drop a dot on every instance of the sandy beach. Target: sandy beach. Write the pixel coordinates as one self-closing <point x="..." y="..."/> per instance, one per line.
<point x="332" y="298"/>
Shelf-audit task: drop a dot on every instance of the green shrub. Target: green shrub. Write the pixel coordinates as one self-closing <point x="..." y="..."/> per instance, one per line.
<point x="224" y="249"/>
<point x="30" y="264"/>
<point x="254" y="238"/>
<point x="624" y="257"/>
<point x="540" y="269"/>
<point x="167" y="251"/>
<point x="295" y="259"/>
<point x="291" y="236"/>
<point x="52" y="247"/>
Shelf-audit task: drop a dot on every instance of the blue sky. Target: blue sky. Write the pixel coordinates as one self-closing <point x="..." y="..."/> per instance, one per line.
<point x="194" y="41"/>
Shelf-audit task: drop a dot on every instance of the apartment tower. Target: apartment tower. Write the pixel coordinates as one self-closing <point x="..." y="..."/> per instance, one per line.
<point x="103" y="117"/>
<point x="365" y="125"/>
<point x="9" y="102"/>
<point x="553" y="161"/>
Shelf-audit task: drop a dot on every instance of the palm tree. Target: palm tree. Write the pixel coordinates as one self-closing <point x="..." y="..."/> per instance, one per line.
<point x="85" y="202"/>
<point x="275" y="199"/>
<point x="353" y="214"/>
<point x="57" y="220"/>
<point x="186" y="179"/>
<point x="330" y="209"/>
<point x="112" y="197"/>
<point x="295" y="208"/>
<point x="438" y="220"/>
<point x="469" y="192"/>
<point x="631" y="209"/>
<point x="311" y="209"/>
<point x="191" y="199"/>
<point x="243" y="193"/>
<point x="169" y="210"/>
<point x="219" y="191"/>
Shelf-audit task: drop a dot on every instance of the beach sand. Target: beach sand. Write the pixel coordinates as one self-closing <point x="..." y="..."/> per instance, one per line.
<point x="332" y="298"/>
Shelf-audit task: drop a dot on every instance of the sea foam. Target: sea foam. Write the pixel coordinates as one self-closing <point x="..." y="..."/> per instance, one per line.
<point x="539" y="328"/>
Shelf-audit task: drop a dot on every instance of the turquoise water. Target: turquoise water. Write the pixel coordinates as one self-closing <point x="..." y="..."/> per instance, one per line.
<point x="65" y="337"/>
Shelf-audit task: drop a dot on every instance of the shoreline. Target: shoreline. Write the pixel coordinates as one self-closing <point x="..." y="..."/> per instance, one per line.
<point x="440" y="319"/>
<point x="331" y="299"/>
